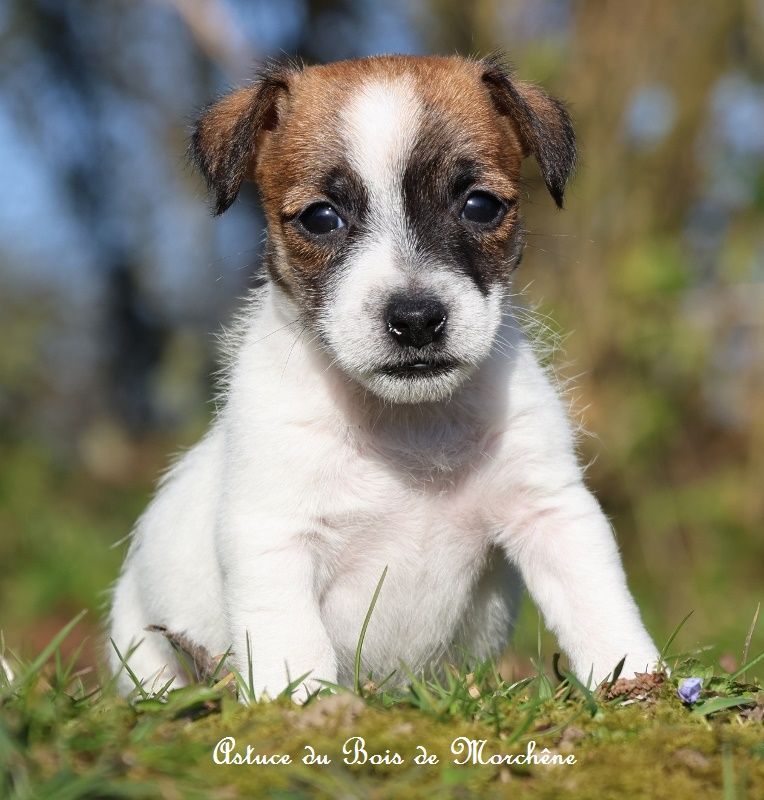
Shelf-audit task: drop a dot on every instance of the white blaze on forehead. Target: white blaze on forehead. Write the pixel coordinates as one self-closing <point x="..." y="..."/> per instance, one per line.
<point x="381" y="122"/>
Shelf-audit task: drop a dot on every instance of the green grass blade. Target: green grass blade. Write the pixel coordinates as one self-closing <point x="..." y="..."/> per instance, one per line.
<point x="67" y="672"/>
<point x="424" y="698"/>
<point x="590" y="701"/>
<point x="530" y="717"/>
<point x="216" y="672"/>
<point x="673" y="636"/>
<point x="166" y="687"/>
<point x="680" y="656"/>
<point x="545" y="690"/>
<point x="386" y="679"/>
<point x="110" y="683"/>
<point x="556" y="667"/>
<point x="34" y="668"/>
<point x="292" y="685"/>
<point x="133" y="677"/>
<point x="618" y="670"/>
<point x="362" y="635"/>
<point x="250" y="671"/>
<point x="242" y="687"/>
<point x="749" y="637"/>
<point x="742" y="670"/>
<point x="715" y="704"/>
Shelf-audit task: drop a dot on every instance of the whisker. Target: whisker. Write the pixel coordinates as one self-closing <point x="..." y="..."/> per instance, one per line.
<point x="289" y="354"/>
<point x="267" y="335"/>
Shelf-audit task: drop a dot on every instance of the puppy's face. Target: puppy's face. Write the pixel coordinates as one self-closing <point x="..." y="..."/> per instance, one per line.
<point x="390" y="187"/>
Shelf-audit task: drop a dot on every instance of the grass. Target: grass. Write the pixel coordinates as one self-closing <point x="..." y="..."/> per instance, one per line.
<point x="64" y="734"/>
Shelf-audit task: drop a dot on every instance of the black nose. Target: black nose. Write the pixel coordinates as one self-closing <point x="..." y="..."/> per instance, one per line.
<point x="415" y="321"/>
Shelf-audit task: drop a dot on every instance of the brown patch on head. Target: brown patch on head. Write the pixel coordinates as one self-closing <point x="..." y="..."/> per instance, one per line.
<point x="463" y="146"/>
<point x="475" y="127"/>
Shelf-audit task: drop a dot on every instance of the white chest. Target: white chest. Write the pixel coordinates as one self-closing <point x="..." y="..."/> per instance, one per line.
<point x="445" y="586"/>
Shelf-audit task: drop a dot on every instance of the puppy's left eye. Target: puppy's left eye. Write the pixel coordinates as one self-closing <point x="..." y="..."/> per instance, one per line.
<point x="320" y="218"/>
<point x="482" y="208"/>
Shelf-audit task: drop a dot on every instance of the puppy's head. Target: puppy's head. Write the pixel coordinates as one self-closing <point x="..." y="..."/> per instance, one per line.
<point x="390" y="187"/>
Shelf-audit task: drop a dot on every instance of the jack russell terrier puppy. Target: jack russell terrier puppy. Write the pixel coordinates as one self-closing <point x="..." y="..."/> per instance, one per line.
<point x="382" y="407"/>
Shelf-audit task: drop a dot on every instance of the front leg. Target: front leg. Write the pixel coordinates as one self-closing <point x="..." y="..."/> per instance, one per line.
<point x="565" y="550"/>
<point x="269" y="589"/>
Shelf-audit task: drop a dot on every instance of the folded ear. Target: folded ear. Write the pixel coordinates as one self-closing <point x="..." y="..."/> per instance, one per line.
<point x="542" y="124"/>
<point x="226" y="137"/>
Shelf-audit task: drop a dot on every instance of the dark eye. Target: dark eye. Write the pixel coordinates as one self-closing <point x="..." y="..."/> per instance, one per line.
<point x="482" y="208"/>
<point x="320" y="218"/>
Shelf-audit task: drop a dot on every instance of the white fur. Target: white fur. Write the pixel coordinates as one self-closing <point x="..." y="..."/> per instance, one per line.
<point x="381" y="123"/>
<point x="280" y="522"/>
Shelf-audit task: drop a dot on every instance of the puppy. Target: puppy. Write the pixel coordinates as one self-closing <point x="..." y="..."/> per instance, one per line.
<point x="382" y="408"/>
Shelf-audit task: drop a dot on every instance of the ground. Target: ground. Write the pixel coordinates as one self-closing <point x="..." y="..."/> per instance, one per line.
<point x="64" y="735"/>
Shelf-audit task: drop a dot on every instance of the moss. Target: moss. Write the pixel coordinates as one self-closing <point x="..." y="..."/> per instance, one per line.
<point x="55" y="745"/>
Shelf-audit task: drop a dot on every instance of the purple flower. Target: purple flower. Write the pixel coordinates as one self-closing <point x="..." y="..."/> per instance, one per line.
<point x="689" y="689"/>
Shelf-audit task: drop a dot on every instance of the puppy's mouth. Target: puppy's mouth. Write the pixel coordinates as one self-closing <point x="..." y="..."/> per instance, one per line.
<point x="416" y="370"/>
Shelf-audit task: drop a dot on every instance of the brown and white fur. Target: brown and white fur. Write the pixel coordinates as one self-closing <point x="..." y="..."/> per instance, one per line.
<point x="383" y="408"/>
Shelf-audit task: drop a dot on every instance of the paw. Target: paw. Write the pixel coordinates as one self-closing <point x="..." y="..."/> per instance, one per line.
<point x="637" y="662"/>
<point x="269" y="686"/>
<point x="596" y="670"/>
<point x="643" y="662"/>
<point x="307" y="688"/>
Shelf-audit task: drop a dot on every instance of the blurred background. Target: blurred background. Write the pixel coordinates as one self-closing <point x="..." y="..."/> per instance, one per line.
<point x="115" y="279"/>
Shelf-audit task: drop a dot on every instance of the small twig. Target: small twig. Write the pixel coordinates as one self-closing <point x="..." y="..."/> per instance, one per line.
<point x="204" y="664"/>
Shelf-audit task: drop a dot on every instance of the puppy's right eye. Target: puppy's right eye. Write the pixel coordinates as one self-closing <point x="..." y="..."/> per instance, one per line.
<point x="320" y="219"/>
<point x="482" y="208"/>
